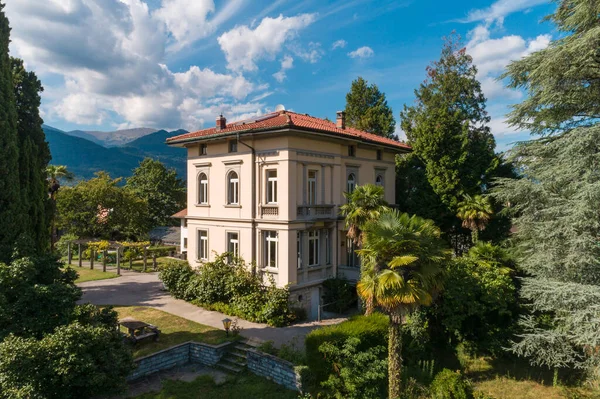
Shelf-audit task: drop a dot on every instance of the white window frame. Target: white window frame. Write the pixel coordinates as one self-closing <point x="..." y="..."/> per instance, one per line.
<point x="327" y="247"/>
<point x="271" y="236"/>
<point x="233" y="188"/>
<point x="312" y="187"/>
<point x="271" y="186"/>
<point x="203" y="188"/>
<point x="299" y="248"/>
<point x="313" y="245"/>
<point x="380" y="183"/>
<point x="351" y="183"/>
<point x="235" y="242"/>
<point x="202" y="250"/>
<point x="204" y="149"/>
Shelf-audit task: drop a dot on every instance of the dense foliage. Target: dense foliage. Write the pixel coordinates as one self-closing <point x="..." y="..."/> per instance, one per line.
<point x="160" y="188"/>
<point x="357" y="374"/>
<point x="368" y="110"/>
<point x="561" y="80"/>
<point x="229" y="287"/>
<point x="83" y="359"/>
<point x="479" y="303"/>
<point x="10" y="200"/>
<point x="555" y="213"/>
<point x="339" y="296"/>
<point x="449" y="384"/>
<point x="371" y="331"/>
<point x="453" y="148"/>
<point x="100" y="208"/>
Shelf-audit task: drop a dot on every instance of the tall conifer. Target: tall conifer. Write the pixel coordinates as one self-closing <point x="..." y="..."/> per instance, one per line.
<point x="10" y="212"/>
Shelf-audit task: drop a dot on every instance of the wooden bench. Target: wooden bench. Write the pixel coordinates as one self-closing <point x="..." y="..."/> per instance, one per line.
<point x="139" y="330"/>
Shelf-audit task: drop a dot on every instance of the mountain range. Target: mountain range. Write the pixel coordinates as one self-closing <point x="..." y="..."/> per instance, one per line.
<point x="85" y="153"/>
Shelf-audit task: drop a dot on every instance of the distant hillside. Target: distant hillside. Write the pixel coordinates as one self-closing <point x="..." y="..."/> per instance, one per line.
<point x="112" y="139"/>
<point x="84" y="157"/>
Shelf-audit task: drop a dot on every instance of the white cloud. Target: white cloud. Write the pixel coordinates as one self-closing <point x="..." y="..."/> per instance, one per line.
<point x="244" y="46"/>
<point x="312" y="54"/>
<point x="362" y="52"/>
<point x="499" y="10"/>
<point x="286" y="63"/>
<point x="110" y="55"/>
<point x="338" y="44"/>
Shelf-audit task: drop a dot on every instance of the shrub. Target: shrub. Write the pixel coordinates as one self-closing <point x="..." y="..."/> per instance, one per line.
<point x="268" y="347"/>
<point x="370" y="330"/>
<point x="62" y="245"/>
<point x="161" y="251"/>
<point x="448" y="384"/>
<point x="75" y="361"/>
<point x="359" y="374"/>
<point x="292" y="352"/>
<point x="339" y="295"/>
<point x="176" y="277"/>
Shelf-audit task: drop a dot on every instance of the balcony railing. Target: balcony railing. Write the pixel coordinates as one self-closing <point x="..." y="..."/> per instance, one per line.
<point x="269" y="211"/>
<point x="316" y="211"/>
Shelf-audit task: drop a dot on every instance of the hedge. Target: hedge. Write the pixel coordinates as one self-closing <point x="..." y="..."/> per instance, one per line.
<point x="370" y="330"/>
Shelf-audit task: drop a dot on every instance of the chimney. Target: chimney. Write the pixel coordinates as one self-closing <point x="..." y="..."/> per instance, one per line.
<point x="221" y="122"/>
<point x="340" y="122"/>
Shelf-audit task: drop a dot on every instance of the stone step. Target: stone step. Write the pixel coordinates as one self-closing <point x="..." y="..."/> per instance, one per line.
<point x="229" y="367"/>
<point x="243" y="348"/>
<point x="239" y="355"/>
<point x="234" y="361"/>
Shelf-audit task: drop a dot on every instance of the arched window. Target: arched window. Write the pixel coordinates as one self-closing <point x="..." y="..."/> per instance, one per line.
<point x="202" y="188"/>
<point x="351" y="183"/>
<point x="233" y="186"/>
<point x="379" y="181"/>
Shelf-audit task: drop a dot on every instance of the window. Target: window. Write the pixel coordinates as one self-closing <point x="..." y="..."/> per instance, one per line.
<point x="233" y="146"/>
<point x="271" y="187"/>
<point x="203" y="149"/>
<point x="233" y="245"/>
<point x="351" y="254"/>
<point x="327" y="248"/>
<point x="351" y="183"/>
<point x="379" y="155"/>
<point x="184" y="244"/>
<point x="312" y="187"/>
<point x="379" y="181"/>
<point x="233" y="186"/>
<point x="202" y="244"/>
<point x="351" y="151"/>
<point x="270" y="249"/>
<point x="299" y="248"/>
<point x="203" y="188"/>
<point x="313" y="248"/>
<point x="184" y="222"/>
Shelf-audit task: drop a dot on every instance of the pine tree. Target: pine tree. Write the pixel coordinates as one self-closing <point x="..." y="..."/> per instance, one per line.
<point x="555" y="214"/>
<point x="34" y="155"/>
<point x="562" y="80"/>
<point x="10" y="211"/>
<point x="448" y="130"/>
<point x="368" y="110"/>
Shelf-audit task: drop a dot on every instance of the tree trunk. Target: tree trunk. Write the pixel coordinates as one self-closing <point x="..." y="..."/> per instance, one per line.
<point x="395" y="357"/>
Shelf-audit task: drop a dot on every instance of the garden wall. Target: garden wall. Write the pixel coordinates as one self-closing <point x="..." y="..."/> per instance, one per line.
<point x="188" y="352"/>
<point x="273" y="368"/>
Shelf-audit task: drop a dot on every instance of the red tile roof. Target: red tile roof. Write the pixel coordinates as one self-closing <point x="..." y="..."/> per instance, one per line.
<point x="181" y="214"/>
<point x="288" y="119"/>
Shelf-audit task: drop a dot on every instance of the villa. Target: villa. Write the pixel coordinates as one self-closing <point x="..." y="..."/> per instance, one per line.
<point x="269" y="190"/>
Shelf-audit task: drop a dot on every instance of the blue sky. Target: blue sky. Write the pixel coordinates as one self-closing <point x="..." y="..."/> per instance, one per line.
<point x="109" y="64"/>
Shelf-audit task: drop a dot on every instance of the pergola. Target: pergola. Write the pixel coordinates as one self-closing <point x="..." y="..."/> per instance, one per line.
<point x="112" y="245"/>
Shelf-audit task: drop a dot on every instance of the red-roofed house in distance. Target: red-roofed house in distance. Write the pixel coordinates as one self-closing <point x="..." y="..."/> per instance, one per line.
<point x="269" y="189"/>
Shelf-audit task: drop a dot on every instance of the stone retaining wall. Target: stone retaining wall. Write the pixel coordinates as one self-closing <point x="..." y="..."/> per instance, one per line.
<point x="273" y="368"/>
<point x="188" y="352"/>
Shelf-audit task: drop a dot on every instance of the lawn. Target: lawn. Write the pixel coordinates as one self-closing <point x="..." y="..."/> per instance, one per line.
<point x="244" y="386"/>
<point x="174" y="330"/>
<point x="85" y="274"/>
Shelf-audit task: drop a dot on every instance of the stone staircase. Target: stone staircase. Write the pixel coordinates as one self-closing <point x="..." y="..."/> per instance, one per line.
<point x="234" y="360"/>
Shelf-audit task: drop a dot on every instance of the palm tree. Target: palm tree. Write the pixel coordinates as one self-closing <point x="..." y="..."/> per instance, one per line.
<point x="55" y="173"/>
<point x="402" y="259"/>
<point x="475" y="213"/>
<point x="365" y="203"/>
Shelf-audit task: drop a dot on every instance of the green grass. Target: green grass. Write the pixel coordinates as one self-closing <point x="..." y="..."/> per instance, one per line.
<point x="244" y="386"/>
<point x="92" y="275"/>
<point x="174" y="330"/>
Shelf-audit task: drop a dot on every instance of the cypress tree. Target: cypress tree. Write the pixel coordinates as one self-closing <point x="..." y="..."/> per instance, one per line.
<point x="34" y="155"/>
<point x="368" y="110"/>
<point x="10" y="212"/>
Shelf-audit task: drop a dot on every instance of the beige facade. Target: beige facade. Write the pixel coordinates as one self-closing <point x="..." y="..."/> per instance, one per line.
<point x="273" y="198"/>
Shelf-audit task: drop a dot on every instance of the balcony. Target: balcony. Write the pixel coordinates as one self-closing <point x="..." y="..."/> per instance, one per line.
<point x="316" y="212"/>
<point x="269" y="211"/>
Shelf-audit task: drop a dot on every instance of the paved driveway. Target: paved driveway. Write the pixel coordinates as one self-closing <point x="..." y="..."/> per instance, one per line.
<point x="145" y="289"/>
